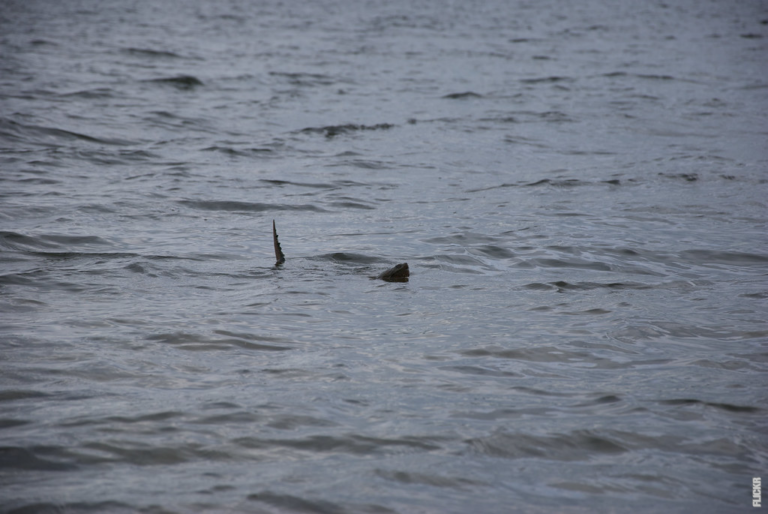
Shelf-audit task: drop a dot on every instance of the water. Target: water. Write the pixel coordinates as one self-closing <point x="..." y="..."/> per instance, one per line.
<point x="579" y="190"/>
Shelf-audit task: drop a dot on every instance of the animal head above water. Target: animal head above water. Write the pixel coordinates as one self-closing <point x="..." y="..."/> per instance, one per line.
<point x="399" y="273"/>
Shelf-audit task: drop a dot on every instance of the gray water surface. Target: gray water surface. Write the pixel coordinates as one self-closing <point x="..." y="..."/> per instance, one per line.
<point x="579" y="189"/>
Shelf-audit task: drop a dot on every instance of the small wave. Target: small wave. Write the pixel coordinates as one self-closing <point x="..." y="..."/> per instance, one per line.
<point x="351" y="204"/>
<point x="654" y="77"/>
<point x="482" y="371"/>
<point x="68" y="256"/>
<point x="538" y="286"/>
<point x="18" y="280"/>
<point x="246" y="152"/>
<point x="74" y="240"/>
<point x="464" y="95"/>
<point x="500" y="119"/>
<point x="520" y="140"/>
<point x="366" y="164"/>
<point x="43" y="244"/>
<point x="688" y="177"/>
<point x="556" y="354"/>
<point x="42" y="42"/>
<point x="176" y="121"/>
<point x="147" y="52"/>
<point x="354" y="444"/>
<point x="197" y="342"/>
<point x="462" y="239"/>
<point x="50" y="136"/>
<point x="12" y="395"/>
<point x="493" y="251"/>
<point x="570" y="182"/>
<point x="36" y="181"/>
<point x="21" y="458"/>
<point x="183" y="82"/>
<point x="11" y="423"/>
<point x="577" y="445"/>
<point x="128" y="420"/>
<point x="559" y="263"/>
<point x="290" y="503"/>
<point x="120" y="451"/>
<point x="293" y="421"/>
<point x="20" y="242"/>
<point x="719" y="257"/>
<point x="761" y="296"/>
<point x="646" y="76"/>
<point x="547" y="80"/>
<point x="348" y="257"/>
<point x="722" y="406"/>
<point x="91" y="94"/>
<point x="317" y="185"/>
<point x="537" y="354"/>
<point x="533" y="117"/>
<point x="459" y="263"/>
<point x="587" y="286"/>
<point x="336" y="130"/>
<point x="136" y="268"/>
<point x="431" y="479"/>
<point x="588" y="312"/>
<point x="304" y="79"/>
<point x="230" y="418"/>
<point x="236" y="206"/>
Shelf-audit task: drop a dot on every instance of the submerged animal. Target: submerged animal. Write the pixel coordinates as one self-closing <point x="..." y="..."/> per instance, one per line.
<point x="399" y="273"/>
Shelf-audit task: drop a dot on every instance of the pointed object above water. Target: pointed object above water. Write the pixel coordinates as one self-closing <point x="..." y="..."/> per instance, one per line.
<point x="399" y="273"/>
<point x="279" y="255"/>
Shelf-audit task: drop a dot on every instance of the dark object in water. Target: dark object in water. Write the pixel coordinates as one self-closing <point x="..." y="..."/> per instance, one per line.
<point x="335" y="130"/>
<point x="279" y="255"/>
<point x="399" y="273"/>
<point x="466" y="94"/>
<point x="185" y="82"/>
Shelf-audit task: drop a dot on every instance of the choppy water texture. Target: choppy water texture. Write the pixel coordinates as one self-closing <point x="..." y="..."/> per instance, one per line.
<point x="579" y="189"/>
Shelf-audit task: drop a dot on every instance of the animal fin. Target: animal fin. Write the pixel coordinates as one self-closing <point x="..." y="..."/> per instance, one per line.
<point x="279" y="255"/>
